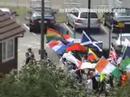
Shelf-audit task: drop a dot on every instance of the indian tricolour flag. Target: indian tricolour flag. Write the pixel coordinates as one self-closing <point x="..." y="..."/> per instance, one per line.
<point x="104" y="66"/>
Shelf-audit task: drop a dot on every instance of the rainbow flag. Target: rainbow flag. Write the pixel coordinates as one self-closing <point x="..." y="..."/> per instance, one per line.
<point x="53" y="34"/>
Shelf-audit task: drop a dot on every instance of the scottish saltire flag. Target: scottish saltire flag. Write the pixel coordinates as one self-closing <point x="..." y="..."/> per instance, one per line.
<point x="90" y="42"/>
<point x="57" y="46"/>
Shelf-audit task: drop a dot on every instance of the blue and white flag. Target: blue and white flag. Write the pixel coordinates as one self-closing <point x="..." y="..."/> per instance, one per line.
<point x="90" y="42"/>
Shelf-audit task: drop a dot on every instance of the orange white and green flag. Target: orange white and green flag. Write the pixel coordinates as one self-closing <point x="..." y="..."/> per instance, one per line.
<point x="104" y="66"/>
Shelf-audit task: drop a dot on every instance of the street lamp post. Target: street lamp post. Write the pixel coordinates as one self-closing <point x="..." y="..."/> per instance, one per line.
<point x="110" y="34"/>
<point x="89" y="9"/>
<point x="42" y="52"/>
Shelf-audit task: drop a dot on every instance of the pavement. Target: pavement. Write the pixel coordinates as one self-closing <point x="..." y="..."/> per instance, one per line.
<point x="32" y="40"/>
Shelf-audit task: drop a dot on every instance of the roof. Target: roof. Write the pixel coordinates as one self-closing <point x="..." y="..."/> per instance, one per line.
<point x="9" y="27"/>
<point x="5" y="9"/>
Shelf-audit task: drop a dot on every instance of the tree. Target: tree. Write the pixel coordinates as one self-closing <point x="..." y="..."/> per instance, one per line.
<point x="40" y="80"/>
<point x="123" y="91"/>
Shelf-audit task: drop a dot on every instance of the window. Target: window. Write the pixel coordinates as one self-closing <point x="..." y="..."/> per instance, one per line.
<point x="75" y="13"/>
<point x="85" y="15"/>
<point x="7" y="50"/>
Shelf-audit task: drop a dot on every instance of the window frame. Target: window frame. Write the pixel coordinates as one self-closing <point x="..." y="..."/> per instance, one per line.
<point x="7" y="58"/>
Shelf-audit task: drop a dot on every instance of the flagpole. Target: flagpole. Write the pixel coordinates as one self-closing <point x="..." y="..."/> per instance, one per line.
<point x="42" y="30"/>
<point x="110" y="34"/>
<point x="89" y="9"/>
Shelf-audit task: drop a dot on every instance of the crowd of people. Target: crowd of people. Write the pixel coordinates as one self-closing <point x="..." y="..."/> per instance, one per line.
<point x="94" y="82"/>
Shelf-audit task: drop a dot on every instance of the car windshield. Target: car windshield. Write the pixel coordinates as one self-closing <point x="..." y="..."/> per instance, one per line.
<point x="124" y="12"/>
<point x="37" y="13"/>
<point x="85" y="15"/>
<point x="124" y="37"/>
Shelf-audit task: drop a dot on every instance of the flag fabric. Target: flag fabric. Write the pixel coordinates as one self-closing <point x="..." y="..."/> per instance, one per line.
<point x="113" y="55"/>
<point x="68" y="38"/>
<point x="69" y="57"/>
<point x="90" y="42"/>
<point x="57" y="46"/>
<point x="87" y="65"/>
<point x="77" y="47"/>
<point x="53" y="34"/>
<point x="125" y="65"/>
<point x="104" y="66"/>
<point x="90" y="51"/>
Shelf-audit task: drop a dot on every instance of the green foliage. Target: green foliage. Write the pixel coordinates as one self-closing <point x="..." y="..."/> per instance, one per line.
<point x="40" y="80"/>
<point x="124" y="91"/>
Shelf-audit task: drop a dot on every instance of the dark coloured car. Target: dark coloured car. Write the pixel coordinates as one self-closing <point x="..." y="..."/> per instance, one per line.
<point x="35" y="20"/>
<point x="118" y="17"/>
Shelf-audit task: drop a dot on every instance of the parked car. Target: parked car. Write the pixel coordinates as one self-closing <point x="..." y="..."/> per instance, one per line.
<point x="35" y="20"/>
<point x="121" y="40"/>
<point x="9" y="12"/>
<point x="79" y="19"/>
<point x="116" y="17"/>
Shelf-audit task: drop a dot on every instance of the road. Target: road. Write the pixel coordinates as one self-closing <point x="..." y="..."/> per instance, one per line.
<point x="102" y="35"/>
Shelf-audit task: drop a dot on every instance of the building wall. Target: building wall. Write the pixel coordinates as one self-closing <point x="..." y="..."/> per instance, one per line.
<point x="126" y="3"/>
<point x="57" y="4"/>
<point x="12" y="64"/>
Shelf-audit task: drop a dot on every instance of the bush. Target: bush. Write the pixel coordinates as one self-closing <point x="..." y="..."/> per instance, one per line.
<point x="39" y="80"/>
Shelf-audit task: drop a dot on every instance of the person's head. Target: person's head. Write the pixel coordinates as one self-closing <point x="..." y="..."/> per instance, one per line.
<point x="29" y="49"/>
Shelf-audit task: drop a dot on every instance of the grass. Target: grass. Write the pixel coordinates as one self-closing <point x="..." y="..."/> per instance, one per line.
<point x="61" y="17"/>
<point x="21" y="11"/>
<point x="21" y="1"/>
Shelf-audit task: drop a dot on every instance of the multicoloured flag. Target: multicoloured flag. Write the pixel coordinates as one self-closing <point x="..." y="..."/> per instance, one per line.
<point x="104" y="66"/>
<point x="113" y="55"/>
<point x="53" y="34"/>
<point x="90" y="51"/>
<point x="68" y="38"/>
<point x="57" y="46"/>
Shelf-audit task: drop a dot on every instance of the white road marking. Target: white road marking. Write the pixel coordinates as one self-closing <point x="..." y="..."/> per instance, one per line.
<point x="26" y="26"/>
<point x="68" y="28"/>
<point x="105" y="29"/>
